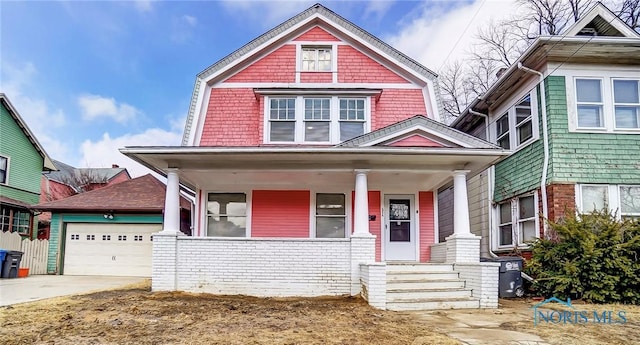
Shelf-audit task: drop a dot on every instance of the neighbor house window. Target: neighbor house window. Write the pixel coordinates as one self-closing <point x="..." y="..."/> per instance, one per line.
<point x="5" y="218"/>
<point x="330" y="215"/>
<point x="517" y="221"/>
<point x="626" y="101"/>
<point x="4" y="168"/>
<point x="630" y="202"/>
<point x="589" y="103"/>
<point x="326" y="119"/>
<point x="316" y="59"/>
<point x="227" y="215"/>
<point x="517" y="127"/>
<point x="622" y="200"/>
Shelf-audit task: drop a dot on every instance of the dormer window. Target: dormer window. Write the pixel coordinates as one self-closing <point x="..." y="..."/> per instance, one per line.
<point x="316" y="59"/>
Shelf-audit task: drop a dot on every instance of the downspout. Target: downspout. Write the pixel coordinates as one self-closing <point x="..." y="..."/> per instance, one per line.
<point x="489" y="179"/>
<point x="545" y="142"/>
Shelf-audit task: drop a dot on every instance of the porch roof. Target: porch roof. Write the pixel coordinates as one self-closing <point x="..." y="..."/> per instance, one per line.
<point x="197" y="164"/>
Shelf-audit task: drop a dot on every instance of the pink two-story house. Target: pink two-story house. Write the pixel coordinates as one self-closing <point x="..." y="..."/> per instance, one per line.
<point x="315" y="152"/>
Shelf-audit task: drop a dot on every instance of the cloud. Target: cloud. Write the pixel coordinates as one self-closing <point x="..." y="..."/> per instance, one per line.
<point x="182" y="28"/>
<point x="377" y="9"/>
<point x="95" y="106"/>
<point x="43" y="120"/>
<point x="144" y="5"/>
<point x="266" y="13"/>
<point x="437" y="33"/>
<point x="104" y="152"/>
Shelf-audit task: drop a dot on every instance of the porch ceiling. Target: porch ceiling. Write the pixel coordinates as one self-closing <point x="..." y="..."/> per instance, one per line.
<point x="212" y="167"/>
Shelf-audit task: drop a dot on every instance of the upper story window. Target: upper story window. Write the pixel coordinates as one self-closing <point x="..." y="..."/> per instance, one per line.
<point x="316" y="59"/>
<point x="606" y="104"/>
<point x="621" y="199"/>
<point x="517" y="126"/>
<point x="322" y="119"/>
<point x="4" y="168"/>
<point x="626" y="102"/>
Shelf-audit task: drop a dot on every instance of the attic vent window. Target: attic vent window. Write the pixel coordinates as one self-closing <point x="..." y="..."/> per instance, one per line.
<point x="316" y="59"/>
<point x="588" y="32"/>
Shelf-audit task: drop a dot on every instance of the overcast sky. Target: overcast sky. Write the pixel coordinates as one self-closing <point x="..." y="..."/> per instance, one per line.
<point x="93" y="76"/>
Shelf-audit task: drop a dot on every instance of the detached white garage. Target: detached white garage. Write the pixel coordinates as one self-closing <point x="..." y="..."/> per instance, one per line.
<point x="108" y="231"/>
<point x="111" y="249"/>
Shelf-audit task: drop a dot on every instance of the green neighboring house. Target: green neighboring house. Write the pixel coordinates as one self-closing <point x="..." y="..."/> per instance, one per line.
<point x="569" y="110"/>
<point x="22" y="160"/>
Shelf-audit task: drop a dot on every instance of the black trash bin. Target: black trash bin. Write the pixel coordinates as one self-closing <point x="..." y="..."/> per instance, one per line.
<point x="11" y="264"/>
<point x="510" y="280"/>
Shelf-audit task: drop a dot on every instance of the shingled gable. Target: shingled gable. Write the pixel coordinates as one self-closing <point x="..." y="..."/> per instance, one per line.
<point x="47" y="162"/>
<point x="141" y="194"/>
<point x="419" y="125"/>
<point x="313" y="16"/>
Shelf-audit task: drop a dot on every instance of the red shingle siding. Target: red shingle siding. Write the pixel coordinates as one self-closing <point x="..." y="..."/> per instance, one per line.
<point x="316" y="77"/>
<point x="234" y="118"/>
<point x="316" y="34"/>
<point x="280" y="213"/>
<point x="277" y="67"/>
<point x="396" y="105"/>
<point x="355" y="67"/>
<point x="427" y="221"/>
<point x="415" y="141"/>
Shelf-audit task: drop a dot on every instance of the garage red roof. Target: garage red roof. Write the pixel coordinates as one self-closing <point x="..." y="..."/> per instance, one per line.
<point x="141" y="194"/>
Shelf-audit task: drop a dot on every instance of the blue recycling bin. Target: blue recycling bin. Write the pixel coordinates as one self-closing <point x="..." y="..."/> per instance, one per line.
<point x="3" y="254"/>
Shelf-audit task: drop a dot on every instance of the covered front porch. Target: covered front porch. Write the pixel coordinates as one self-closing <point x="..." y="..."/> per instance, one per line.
<point x="312" y="216"/>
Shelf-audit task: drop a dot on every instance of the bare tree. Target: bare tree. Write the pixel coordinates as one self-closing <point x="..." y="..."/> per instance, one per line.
<point x="630" y="12"/>
<point x="500" y="44"/>
<point x="78" y="181"/>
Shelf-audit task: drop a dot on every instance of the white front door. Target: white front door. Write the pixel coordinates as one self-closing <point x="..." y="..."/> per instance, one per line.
<point x="399" y="228"/>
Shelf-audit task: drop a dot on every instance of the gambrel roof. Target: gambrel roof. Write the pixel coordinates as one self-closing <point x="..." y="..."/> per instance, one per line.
<point x="314" y="15"/>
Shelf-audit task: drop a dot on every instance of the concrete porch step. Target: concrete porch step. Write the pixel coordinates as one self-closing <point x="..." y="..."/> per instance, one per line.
<point x="403" y="295"/>
<point x="434" y="303"/>
<point x="421" y="284"/>
<point x="427" y="275"/>
<point x="418" y="267"/>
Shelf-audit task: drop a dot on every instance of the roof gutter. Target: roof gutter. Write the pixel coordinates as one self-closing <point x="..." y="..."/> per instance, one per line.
<point x="545" y="142"/>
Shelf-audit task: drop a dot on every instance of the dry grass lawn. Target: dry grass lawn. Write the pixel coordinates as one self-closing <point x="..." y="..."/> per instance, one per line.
<point x="134" y="315"/>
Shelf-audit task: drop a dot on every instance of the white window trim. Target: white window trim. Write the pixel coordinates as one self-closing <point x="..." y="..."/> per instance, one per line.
<point x="613" y="104"/>
<point x="607" y="75"/>
<point x="334" y="127"/>
<point x="204" y="217"/>
<point x="511" y="111"/>
<point x="6" y="174"/>
<point x="515" y="222"/>
<point x="613" y="196"/>
<point x="316" y="45"/>
<point x="312" y="210"/>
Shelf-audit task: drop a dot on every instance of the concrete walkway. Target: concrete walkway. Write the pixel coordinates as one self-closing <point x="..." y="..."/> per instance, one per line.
<point x="481" y="327"/>
<point x="33" y="288"/>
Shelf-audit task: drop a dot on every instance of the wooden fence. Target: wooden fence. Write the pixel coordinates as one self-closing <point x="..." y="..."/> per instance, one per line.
<point x="35" y="252"/>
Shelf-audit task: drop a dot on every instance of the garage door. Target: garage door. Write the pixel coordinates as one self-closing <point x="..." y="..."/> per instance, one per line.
<point x="109" y="249"/>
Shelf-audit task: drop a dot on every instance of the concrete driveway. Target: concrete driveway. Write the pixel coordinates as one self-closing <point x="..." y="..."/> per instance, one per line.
<point x="37" y="287"/>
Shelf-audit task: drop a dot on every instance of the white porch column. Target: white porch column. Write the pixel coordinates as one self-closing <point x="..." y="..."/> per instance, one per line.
<point x="462" y="246"/>
<point x="361" y="204"/>
<point x="171" y="222"/>
<point x="460" y="203"/>
<point x="363" y="243"/>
